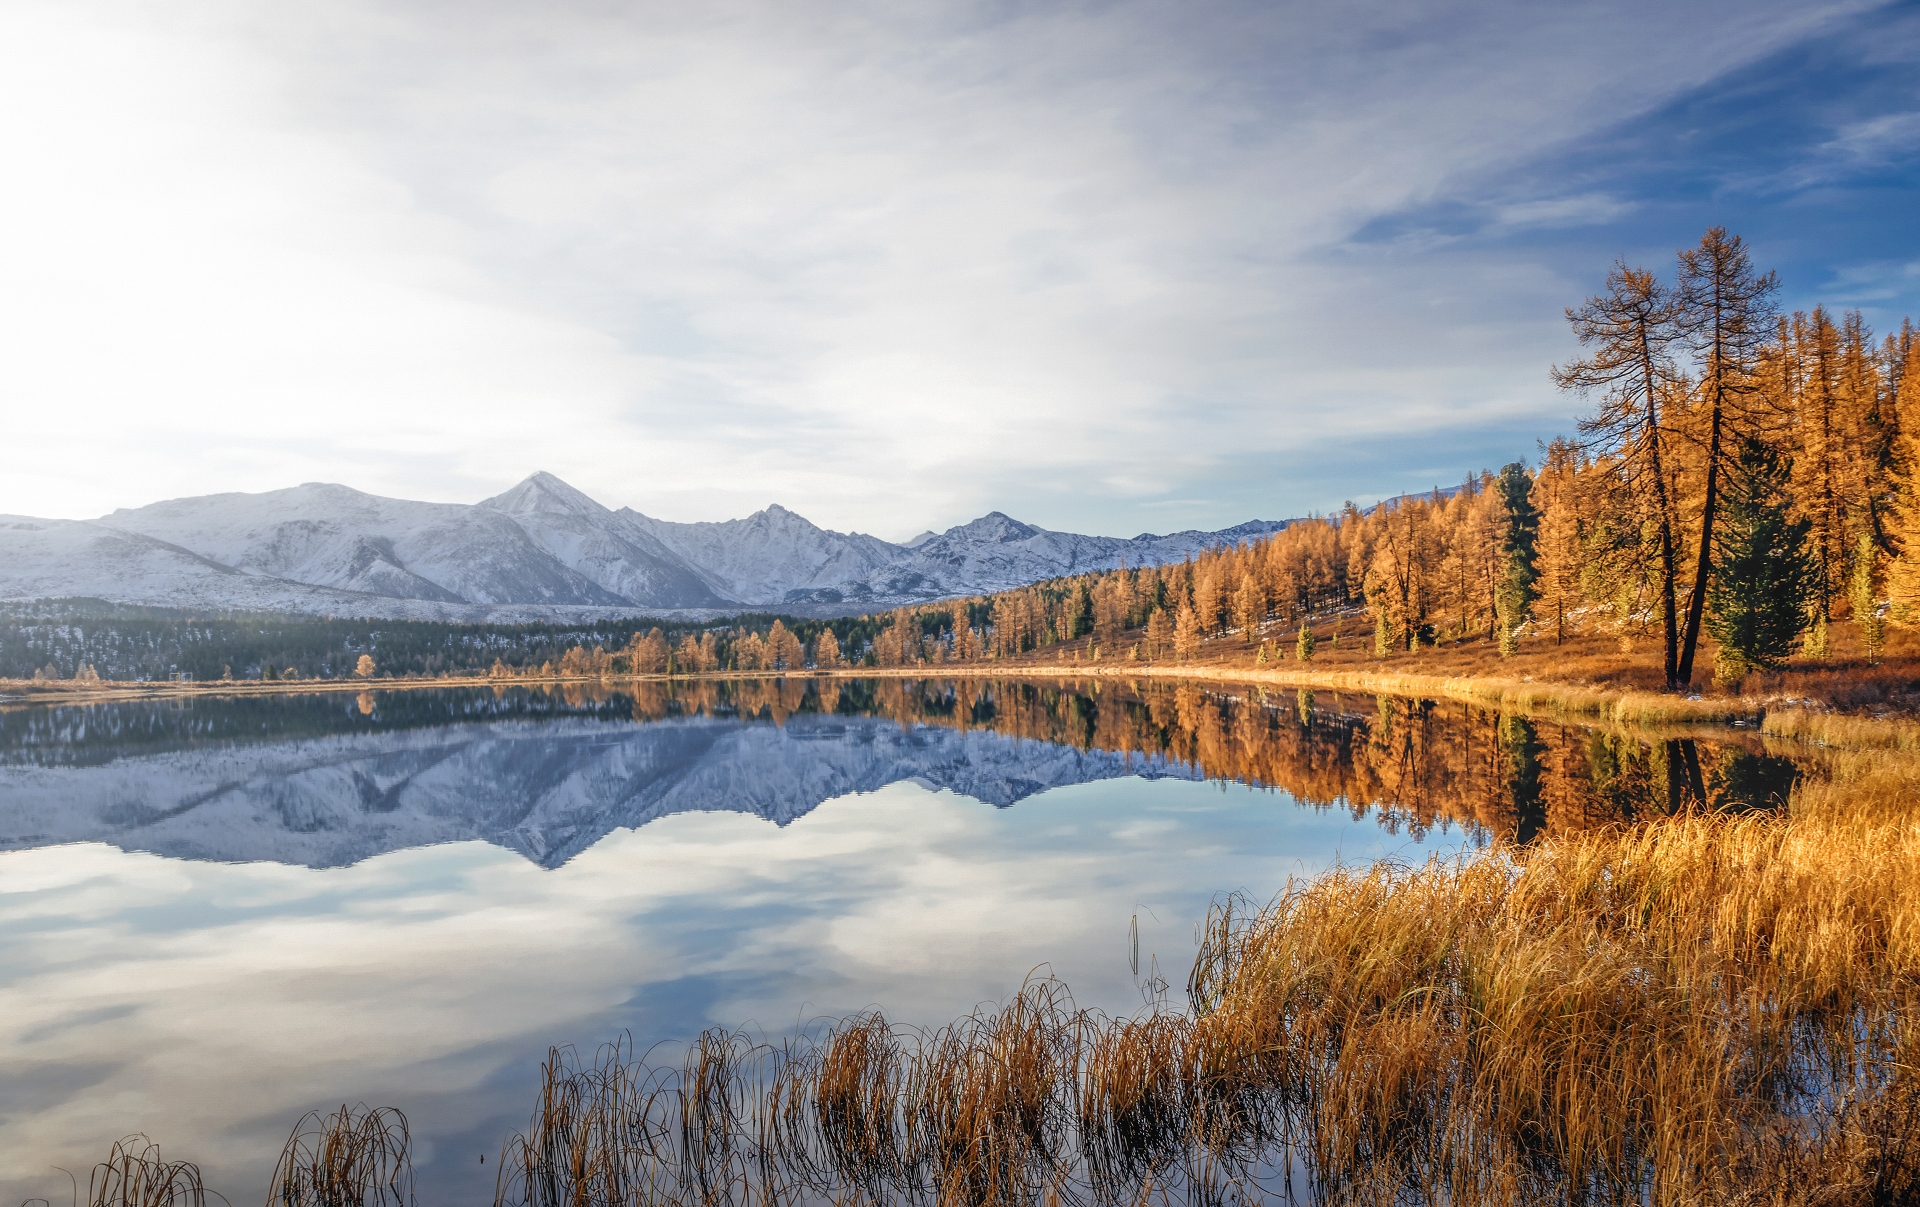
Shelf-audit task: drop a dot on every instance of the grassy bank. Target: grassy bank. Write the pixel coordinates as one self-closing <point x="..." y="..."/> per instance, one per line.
<point x="1630" y="707"/>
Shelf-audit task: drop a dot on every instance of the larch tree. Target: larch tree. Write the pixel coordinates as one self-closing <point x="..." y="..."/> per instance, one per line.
<point x="826" y="650"/>
<point x="1558" y="557"/>
<point x="1724" y="311"/>
<point x="1187" y="634"/>
<point x="1903" y="574"/>
<point x="1159" y="634"/>
<point x="1630" y="330"/>
<point x="1249" y="606"/>
<point x="1206" y="601"/>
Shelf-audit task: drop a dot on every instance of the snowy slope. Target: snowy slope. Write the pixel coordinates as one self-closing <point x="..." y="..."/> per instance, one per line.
<point x="997" y="552"/>
<point x="607" y="548"/>
<point x="548" y="790"/>
<point x="540" y="551"/>
<point x="333" y="536"/>
<point x="772" y="554"/>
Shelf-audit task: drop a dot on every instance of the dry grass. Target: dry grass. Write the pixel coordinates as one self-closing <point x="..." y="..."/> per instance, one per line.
<point x="1707" y="1009"/>
<point x="135" y="1175"/>
<point x="355" y="1157"/>
<point x="1843" y="732"/>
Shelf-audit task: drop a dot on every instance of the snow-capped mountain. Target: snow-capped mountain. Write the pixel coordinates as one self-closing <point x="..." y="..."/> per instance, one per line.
<point x="542" y="550"/>
<point x="771" y="555"/>
<point x="997" y="552"/>
<point x="548" y="790"/>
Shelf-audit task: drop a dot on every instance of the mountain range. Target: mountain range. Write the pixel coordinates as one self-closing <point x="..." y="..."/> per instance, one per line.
<point x="541" y="551"/>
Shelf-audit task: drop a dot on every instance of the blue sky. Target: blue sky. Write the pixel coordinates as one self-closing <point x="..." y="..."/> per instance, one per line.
<point x="1109" y="267"/>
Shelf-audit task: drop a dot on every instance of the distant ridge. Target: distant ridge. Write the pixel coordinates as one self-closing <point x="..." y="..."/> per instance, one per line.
<point x="540" y="551"/>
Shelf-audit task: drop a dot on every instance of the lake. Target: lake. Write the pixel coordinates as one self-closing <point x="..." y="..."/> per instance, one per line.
<point x="218" y="913"/>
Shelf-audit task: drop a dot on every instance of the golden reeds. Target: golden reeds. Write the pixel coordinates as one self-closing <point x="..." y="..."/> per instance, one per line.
<point x="1705" y="1009"/>
<point x="1843" y="731"/>
<point x="355" y="1157"/>
<point x="135" y="1175"/>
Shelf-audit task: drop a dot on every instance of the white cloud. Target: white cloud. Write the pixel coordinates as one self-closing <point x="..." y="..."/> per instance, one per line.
<point x="1589" y="209"/>
<point x="890" y="267"/>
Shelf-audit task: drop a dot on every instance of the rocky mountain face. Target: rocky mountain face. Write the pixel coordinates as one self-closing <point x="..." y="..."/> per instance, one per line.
<point x="548" y="790"/>
<point x="542" y="550"/>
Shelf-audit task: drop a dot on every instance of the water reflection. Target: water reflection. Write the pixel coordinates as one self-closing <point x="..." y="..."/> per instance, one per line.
<point x="489" y="872"/>
<point x="327" y="780"/>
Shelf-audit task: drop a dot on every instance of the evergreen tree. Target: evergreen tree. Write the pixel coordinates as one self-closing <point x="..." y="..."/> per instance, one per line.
<point x="1763" y="576"/>
<point x="1303" y="648"/>
<point x="1513" y="596"/>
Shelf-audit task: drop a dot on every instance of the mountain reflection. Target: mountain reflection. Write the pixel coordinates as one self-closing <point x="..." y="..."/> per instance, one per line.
<point x="328" y="779"/>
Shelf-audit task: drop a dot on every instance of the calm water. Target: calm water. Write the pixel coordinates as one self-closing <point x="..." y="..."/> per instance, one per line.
<point x="217" y="915"/>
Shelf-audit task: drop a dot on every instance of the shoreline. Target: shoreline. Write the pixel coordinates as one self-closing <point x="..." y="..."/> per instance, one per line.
<point x="1523" y="694"/>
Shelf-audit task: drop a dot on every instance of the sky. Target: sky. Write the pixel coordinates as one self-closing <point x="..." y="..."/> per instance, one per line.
<point x="1106" y="267"/>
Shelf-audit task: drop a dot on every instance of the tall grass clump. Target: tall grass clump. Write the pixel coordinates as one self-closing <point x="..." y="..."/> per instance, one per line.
<point x="135" y="1175"/>
<point x="354" y="1157"/>
<point x="1703" y="1010"/>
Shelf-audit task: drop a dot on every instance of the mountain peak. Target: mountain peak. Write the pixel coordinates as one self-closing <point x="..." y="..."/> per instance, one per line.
<point x="542" y="492"/>
<point x="995" y="526"/>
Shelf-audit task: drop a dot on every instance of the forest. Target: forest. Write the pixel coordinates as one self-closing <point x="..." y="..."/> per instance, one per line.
<point x="1742" y="475"/>
<point x="90" y="639"/>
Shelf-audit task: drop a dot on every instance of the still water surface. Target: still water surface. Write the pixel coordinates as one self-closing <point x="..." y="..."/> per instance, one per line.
<point x="216" y="915"/>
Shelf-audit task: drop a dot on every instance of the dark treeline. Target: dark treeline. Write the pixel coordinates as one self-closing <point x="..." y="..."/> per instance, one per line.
<point x="67" y="639"/>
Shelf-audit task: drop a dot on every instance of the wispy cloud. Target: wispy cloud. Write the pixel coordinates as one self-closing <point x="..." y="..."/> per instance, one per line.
<point x="888" y="266"/>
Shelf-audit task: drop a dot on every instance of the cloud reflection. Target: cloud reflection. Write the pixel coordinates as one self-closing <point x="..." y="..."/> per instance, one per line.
<point x="210" y="1004"/>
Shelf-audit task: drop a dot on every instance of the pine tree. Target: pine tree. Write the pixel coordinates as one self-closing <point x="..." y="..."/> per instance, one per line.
<point x="1763" y="576"/>
<point x="1303" y="646"/>
<point x="1513" y="597"/>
